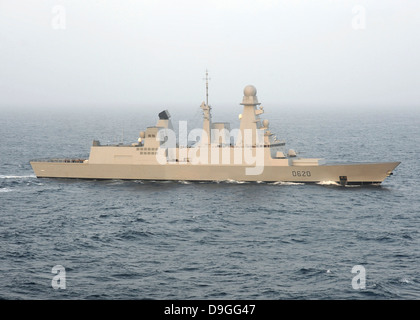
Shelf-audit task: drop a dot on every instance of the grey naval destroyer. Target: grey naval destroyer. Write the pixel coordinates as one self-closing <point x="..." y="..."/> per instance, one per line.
<point x="250" y="153"/>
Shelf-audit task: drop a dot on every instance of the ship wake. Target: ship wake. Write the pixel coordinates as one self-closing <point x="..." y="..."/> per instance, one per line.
<point x="17" y="177"/>
<point x="328" y="183"/>
<point x="287" y="183"/>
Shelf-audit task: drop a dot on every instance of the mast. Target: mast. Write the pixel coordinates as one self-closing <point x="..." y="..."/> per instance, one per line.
<point x="207" y="87"/>
<point x="207" y="113"/>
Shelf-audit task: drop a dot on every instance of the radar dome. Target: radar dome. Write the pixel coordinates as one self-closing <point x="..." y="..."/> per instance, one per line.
<point x="266" y="123"/>
<point x="250" y="91"/>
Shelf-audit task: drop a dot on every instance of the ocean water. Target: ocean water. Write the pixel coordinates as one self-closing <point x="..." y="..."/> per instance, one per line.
<point x="227" y="240"/>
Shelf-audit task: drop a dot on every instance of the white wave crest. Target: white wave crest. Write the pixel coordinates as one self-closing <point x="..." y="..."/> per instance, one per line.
<point x="328" y="183"/>
<point x="405" y="280"/>
<point x="5" y="190"/>
<point x="230" y="181"/>
<point x="236" y="181"/>
<point x="287" y="183"/>
<point x="16" y="177"/>
<point x="116" y="182"/>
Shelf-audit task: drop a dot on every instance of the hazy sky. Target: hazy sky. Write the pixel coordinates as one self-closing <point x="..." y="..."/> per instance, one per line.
<point x="313" y="53"/>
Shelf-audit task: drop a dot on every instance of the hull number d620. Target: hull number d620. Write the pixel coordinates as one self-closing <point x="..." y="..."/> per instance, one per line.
<point x="300" y="173"/>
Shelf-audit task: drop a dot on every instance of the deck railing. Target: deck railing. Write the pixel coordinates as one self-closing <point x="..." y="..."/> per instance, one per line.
<point x="67" y="160"/>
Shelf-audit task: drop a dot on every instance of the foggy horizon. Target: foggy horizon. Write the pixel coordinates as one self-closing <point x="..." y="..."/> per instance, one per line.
<point x="318" y="55"/>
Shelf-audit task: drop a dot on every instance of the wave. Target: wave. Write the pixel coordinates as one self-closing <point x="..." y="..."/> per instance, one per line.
<point x="16" y="177"/>
<point x="328" y="183"/>
<point x="405" y="280"/>
<point x="229" y="181"/>
<point x="234" y="181"/>
<point x="287" y="183"/>
<point x="115" y="182"/>
<point x="134" y="234"/>
<point x="184" y="182"/>
<point x="5" y="190"/>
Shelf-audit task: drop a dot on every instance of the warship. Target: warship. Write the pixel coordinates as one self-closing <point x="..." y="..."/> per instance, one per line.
<point x="249" y="153"/>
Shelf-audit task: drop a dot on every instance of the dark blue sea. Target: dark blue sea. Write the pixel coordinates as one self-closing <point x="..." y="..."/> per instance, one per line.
<point x="228" y="240"/>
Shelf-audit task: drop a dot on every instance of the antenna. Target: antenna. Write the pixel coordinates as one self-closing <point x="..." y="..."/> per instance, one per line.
<point x="207" y="87"/>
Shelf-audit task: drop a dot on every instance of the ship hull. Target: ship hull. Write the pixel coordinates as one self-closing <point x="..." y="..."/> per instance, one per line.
<point x="363" y="173"/>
